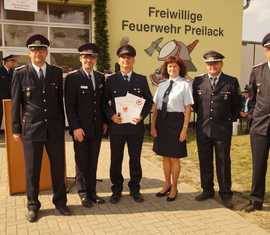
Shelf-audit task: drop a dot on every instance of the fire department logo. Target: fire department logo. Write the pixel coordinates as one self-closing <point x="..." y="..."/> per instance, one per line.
<point x="170" y="48"/>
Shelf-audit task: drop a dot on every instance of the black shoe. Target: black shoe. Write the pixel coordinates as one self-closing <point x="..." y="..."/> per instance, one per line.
<point x="64" y="210"/>
<point x="253" y="206"/>
<point x="204" y="196"/>
<point x="86" y="202"/>
<point x="171" y="199"/>
<point x="115" y="198"/>
<point x="137" y="197"/>
<point x="97" y="199"/>
<point x="163" y="194"/>
<point x="32" y="215"/>
<point x="227" y="203"/>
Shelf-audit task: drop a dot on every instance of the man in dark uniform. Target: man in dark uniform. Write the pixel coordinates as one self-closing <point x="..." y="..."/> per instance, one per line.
<point x="6" y="73"/>
<point x="38" y="120"/>
<point x="84" y="92"/>
<point x="260" y="127"/>
<point x="118" y="85"/>
<point x="217" y="102"/>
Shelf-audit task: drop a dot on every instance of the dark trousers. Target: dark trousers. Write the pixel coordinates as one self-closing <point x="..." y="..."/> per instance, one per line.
<point x="86" y="157"/>
<point x="33" y="152"/>
<point x="260" y="149"/>
<point x="206" y="148"/>
<point x="134" y="144"/>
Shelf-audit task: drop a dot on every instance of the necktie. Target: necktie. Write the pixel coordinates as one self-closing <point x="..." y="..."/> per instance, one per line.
<point x="165" y="100"/>
<point x="126" y="78"/>
<point x="41" y="74"/>
<point x="214" y="82"/>
<point x="92" y="80"/>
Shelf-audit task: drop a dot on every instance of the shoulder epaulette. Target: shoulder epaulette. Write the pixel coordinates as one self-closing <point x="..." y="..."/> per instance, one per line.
<point x="161" y="81"/>
<point x="73" y="71"/>
<point x="99" y="72"/>
<point x="20" y="67"/>
<point x="188" y="79"/>
<point x="257" y="65"/>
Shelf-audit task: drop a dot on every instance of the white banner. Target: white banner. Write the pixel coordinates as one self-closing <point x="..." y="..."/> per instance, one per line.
<point x="21" y="5"/>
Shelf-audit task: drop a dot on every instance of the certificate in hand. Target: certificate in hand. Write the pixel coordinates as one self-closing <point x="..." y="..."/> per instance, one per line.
<point x="129" y="107"/>
<point x="122" y="107"/>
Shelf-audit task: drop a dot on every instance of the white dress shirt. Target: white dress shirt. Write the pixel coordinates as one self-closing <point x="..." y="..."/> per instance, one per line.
<point x="128" y="74"/>
<point x="212" y="80"/>
<point x="92" y="77"/>
<point x="43" y="67"/>
<point x="179" y="97"/>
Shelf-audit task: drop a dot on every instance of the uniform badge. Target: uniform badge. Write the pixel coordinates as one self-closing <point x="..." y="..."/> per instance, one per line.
<point x="259" y="87"/>
<point x="110" y="103"/>
<point x="28" y="92"/>
<point x="84" y="87"/>
<point x="226" y="94"/>
<point x="114" y="92"/>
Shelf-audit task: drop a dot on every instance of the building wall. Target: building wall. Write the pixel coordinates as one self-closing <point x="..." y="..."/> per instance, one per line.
<point x="141" y="23"/>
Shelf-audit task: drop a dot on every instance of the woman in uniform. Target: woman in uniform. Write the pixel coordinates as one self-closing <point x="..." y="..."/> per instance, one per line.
<point x="171" y="115"/>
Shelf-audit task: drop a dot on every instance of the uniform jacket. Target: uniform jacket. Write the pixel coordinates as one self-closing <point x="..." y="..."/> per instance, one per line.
<point x="5" y="83"/>
<point x="116" y="86"/>
<point x="260" y="96"/>
<point x="84" y="105"/>
<point x="37" y="105"/>
<point x="216" y="108"/>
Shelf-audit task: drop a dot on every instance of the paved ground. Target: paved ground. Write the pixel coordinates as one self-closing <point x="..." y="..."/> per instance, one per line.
<point x="154" y="216"/>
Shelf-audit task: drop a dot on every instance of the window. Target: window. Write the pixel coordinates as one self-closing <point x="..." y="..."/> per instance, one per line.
<point x="66" y="61"/>
<point x="66" y="26"/>
<point x="16" y="35"/>
<point x="68" y="38"/>
<point x="69" y="14"/>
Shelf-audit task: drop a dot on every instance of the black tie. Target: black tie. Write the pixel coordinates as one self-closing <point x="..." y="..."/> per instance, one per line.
<point x="214" y="82"/>
<point x="126" y="77"/>
<point x="41" y="75"/>
<point x="165" y="100"/>
<point x="90" y="78"/>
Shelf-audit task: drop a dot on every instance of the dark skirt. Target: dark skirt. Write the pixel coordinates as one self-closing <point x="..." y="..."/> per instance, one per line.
<point x="167" y="142"/>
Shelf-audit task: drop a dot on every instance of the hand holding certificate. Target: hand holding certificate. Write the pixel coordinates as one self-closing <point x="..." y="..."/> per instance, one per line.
<point x="129" y="107"/>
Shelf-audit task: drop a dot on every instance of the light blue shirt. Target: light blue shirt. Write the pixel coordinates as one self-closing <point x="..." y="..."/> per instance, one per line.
<point x="179" y="97"/>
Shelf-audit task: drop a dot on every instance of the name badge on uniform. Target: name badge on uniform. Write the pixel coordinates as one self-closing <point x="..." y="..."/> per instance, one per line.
<point x="84" y="87"/>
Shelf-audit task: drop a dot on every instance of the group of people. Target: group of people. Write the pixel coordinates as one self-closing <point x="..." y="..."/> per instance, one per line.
<point x="38" y="121"/>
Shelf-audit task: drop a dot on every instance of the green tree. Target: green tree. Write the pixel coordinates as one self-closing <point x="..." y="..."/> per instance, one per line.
<point x="101" y="35"/>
